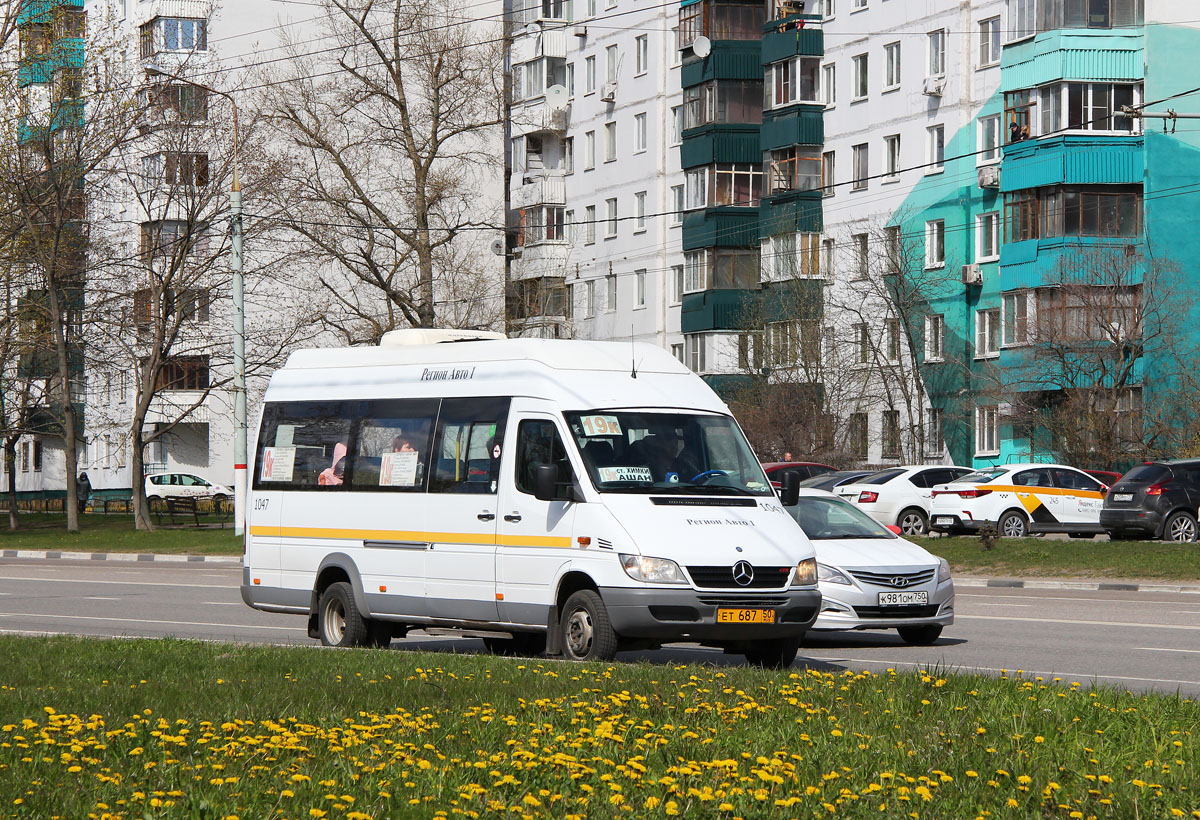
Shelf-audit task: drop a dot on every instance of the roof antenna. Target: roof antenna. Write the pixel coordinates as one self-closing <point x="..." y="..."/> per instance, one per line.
<point x="632" y="353"/>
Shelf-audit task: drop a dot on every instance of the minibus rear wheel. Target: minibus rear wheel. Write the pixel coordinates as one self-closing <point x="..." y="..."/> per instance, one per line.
<point x="340" y="622"/>
<point x="587" y="634"/>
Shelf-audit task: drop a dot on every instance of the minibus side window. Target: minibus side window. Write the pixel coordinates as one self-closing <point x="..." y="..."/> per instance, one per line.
<point x="466" y="451"/>
<point x="538" y="443"/>
<point x="393" y="445"/>
<point x="303" y="445"/>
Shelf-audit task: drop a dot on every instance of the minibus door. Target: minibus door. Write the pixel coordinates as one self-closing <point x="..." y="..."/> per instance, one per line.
<point x="268" y="475"/>
<point x="535" y="536"/>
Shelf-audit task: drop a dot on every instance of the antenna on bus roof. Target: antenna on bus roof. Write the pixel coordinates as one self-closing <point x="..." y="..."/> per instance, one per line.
<point x="632" y="353"/>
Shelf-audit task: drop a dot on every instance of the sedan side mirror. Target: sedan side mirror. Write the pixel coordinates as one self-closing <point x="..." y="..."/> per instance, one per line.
<point x="789" y="489"/>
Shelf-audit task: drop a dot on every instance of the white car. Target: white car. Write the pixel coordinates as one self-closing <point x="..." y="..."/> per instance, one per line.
<point x="1019" y="499"/>
<point x="871" y="578"/>
<point x="184" y="485"/>
<point x="900" y="495"/>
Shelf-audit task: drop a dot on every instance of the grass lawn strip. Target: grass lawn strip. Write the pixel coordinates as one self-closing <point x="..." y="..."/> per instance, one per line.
<point x="115" y="533"/>
<point x="165" y="729"/>
<point x="1077" y="558"/>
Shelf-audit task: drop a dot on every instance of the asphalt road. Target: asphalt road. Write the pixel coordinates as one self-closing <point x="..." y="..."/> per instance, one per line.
<point x="1130" y="640"/>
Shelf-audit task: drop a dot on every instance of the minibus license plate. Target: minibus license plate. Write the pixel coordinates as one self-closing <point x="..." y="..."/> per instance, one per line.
<point x="903" y="598"/>
<point x="1123" y="497"/>
<point x="944" y="521"/>
<point x="745" y="616"/>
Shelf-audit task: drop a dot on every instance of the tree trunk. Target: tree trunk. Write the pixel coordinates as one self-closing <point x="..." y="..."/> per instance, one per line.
<point x="137" y="469"/>
<point x="10" y="470"/>
<point x="58" y="319"/>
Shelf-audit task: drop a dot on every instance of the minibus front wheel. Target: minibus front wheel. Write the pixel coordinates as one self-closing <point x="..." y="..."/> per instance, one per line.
<point x="339" y="621"/>
<point x="587" y="633"/>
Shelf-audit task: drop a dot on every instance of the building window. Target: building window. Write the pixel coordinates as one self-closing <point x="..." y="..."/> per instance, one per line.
<point x="569" y="155"/>
<point x="169" y="237"/>
<point x="610" y="292"/>
<point x="589" y="75"/>
<point x="572" y="233"/>
<point x="860" y="77"/>
<point x="189" y="169"/>
<point x="987" y="438"/>
<point x="1090" y="13"/>
<point x="862" y="343"/>
<point x="935" y="337"/>
<point x="828" y="8"/>
<point x="696" y="188"/>
<point x="862" y="171"/>
<point x="695" y="271"/>
<point x="987" y="333"/>
<point x="891" y="150"/>
<point x="891" y="434"/>
<point x="987" y="237"/>
<point x="860" y="244"/>
<point x="1021" y="19"/>
<point x="893" y="340"/>
<point x="858" y="4"/>
<point x="693" y="352"/>
<point x="610" y="141"/>
<point x="723" y="101"/>
<point x="1114" y="210"/>
<point x="933" y="432"/>
<point x="589" y="150"/>
<point x="989" y="42"/>
<point x="639" y="290"/>
<point x="828" y="257"/>
<point x="1018" y="113"/>
<point x="989" y="138"/>
<point x="545" y="224"/>
<point x="612" y="63"/>
<point x="676" y="124"/>
<point x="1021" y="216"/>
<point x="591" y="297"/>
<point x="827" y="164"/>
<point x="794" y="80"/>
<point x="1088" y="107"/>
<point x="677" y="352"/>
<point x="187" y="102"/>
<point x="37" y="455"/>
<point x="677" y="204"/>
<point x="891" y="66"/>
<point x="937" y="149"/>
<point x="639" y="132"/>
<point x="790" y="255"/>
<point x="639" y="200"/>
<point x="935" y="243"/>
<point x="797" y="168"/>
<point x="1016" y="318"/>
<point x="589" y="227"/>
<point x="183" y="373"/>
<point x="829" y="84"/>
<point x="642" y="54"/>
<point x="734" y="184"/>
<point x="937" y="53"/>
<point x="677" y="289"/>
<point x="856" y="435"/>
<point x="610" y="225"/>
<point x="172" y="34"/>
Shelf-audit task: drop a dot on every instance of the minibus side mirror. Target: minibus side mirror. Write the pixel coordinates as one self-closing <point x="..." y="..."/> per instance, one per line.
<point x="547" y="487"/>
<point x="789" y="489"/>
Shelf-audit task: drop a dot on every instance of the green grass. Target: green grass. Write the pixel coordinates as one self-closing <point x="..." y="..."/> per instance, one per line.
<point x="172" y="729"/>
<point x="114" y="533"/>
<point x="1083" y="558"/>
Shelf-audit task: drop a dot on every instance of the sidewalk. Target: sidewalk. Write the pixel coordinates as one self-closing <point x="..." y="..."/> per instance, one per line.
<point x="960" y="581"/>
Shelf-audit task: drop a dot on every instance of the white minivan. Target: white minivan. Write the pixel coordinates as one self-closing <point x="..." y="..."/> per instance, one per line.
<point x="584" y="497"/>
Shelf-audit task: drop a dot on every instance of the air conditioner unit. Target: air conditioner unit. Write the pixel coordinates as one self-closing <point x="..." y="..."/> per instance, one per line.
<point x="989" y="176"/>
<point x="608" y="93"/>
<point x="934" y="86"/>
<point x="972" y="274"/>
<point x="580" y="31"/>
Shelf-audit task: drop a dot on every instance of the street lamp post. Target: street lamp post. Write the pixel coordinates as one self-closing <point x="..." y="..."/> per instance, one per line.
<point x="239" y="316"/>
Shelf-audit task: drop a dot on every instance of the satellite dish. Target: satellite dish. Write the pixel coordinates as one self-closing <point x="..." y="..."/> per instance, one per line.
<point x="498" y="247"/>
<point x="702" y="46"/>
<point x="556" y="97"/>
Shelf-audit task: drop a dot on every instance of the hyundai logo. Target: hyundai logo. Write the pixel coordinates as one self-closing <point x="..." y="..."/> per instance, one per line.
<point x="743" y="573"/>
<point x="899" y="581"/>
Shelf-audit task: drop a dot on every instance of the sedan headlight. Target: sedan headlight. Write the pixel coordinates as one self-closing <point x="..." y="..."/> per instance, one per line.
<point x="806" y="572"/>
<point x="943" y="570"/>
<point x="652" y="570"/>
<point x="832" y="575"/>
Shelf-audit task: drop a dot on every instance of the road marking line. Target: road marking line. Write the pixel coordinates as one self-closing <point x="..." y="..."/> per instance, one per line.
<point x="145" y="621"/>
<point x="99" y="598"/>
<point x="1190" y="627"/>
<point x="119" y="583"/>
<point x="1161" y="649"/>
<point x="1016" y="593"/>
<point x="1020" y="605"/>
<point x="222" y="603"/>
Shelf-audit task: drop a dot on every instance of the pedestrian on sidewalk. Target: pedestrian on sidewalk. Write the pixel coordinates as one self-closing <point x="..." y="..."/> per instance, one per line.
<point x="83" y="488"/>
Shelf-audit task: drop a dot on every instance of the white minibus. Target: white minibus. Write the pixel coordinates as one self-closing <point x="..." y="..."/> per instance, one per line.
<point x="572" y="497"/>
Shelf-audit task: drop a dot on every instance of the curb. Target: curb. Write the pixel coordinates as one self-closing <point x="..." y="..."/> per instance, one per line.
<point x="122" y="556"/>
<point x="1105" y="586"/>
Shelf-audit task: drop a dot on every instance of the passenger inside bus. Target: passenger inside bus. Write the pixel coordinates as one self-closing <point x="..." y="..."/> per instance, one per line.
<point x="332" y="475"/>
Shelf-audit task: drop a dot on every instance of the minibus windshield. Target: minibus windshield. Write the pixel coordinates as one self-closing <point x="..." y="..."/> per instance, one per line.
<point x="634" y="452"/>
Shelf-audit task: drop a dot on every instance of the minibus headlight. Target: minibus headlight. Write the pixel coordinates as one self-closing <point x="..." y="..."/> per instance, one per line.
<point x="652" y="570"/>
<point x="806" y="572"/>
<point x="831" y="575"/>
<point x="943" y="571"/>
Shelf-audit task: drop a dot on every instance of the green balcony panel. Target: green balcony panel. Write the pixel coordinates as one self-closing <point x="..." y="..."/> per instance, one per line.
<point x="1038" y="263"/>
<point x="716" y="310"/>
<point x="42" y="11"/>
<point x="779" y="45"/>
<point x="794" y="125"/>
<point x="725" y="227"/>
<point x="796" y="300"/>
<point x="1073" y="160"/>
<point x="791" y="212"/>
<point x="720" y="142"/>
<point x="1074" y="54"/>
<point x="729" y="60"/>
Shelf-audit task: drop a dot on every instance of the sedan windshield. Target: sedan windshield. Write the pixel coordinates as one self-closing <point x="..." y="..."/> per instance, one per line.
<point x="824" y="519"/>
<point x="667" y="452"/>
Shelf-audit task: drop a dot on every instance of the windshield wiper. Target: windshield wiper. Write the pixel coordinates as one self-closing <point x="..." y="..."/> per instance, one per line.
<point x="701" y="489"/>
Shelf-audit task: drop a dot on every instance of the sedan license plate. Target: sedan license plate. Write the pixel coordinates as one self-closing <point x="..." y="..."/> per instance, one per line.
<point x="903" y="598"/>
<point x="944" y="521"/>
<point x="745" y="616"/>
<point x="1123" y="497"/>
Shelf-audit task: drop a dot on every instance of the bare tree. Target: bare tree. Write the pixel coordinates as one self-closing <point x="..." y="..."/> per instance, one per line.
<point x="392" y="138"/>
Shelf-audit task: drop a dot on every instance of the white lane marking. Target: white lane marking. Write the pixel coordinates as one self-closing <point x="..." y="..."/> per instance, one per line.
<point x="99" y="598"/>
<point x="1189" y="627"/>
<point x="1016" y="593"/>
<point x="1163" y="649"/>
<point x="119" y="583"/>
<point x="222" y="603"/>
<point x="1020" y="605"/>
<point x="1185" y="612"/>
<point x="146" y="621"/>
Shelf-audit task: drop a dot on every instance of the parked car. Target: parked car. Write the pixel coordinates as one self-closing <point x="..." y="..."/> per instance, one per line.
<point x="829" y="481"/>
<point x="1157" y="499"/>
<point x="184" y="485"/>
<point x="900" y="495"/>
<point x="869" y="577"/>
<point x="1019" y="499"/>
<point x="1105" y="477"/>
<point x="802" y="469"/>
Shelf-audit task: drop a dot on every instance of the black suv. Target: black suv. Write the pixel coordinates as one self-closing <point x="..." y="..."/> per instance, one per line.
<point x="1158" y="499"/>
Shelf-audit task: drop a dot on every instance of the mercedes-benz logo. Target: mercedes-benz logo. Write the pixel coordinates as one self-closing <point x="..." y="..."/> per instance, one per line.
<point x="743" y="573"/>
<point x="899" y="581"/>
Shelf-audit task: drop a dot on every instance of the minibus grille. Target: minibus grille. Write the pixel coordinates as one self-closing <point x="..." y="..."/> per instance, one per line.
<point x="895" y="580"/>
<point x="743" y="600"/>
<point x="723" y="577"/>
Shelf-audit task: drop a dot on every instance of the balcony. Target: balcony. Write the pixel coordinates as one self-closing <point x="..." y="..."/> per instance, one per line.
<point x="541" y="188"/>
<point x="539" y="117"/>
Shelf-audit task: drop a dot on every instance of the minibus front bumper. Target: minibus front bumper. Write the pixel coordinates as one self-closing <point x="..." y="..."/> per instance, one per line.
<point x="691" y="615"/>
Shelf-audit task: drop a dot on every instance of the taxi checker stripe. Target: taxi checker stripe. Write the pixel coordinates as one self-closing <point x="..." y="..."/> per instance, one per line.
<point x="1013" y="488"/>
<point x="407" y="535"/>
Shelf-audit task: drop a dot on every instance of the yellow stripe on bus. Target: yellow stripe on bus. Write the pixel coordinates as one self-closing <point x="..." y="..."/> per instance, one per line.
<point x="407" y="535"/>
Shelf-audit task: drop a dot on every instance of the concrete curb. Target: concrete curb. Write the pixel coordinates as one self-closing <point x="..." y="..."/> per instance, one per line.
<point x="122" y="556"/>
<point x="1112" y="586"/>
